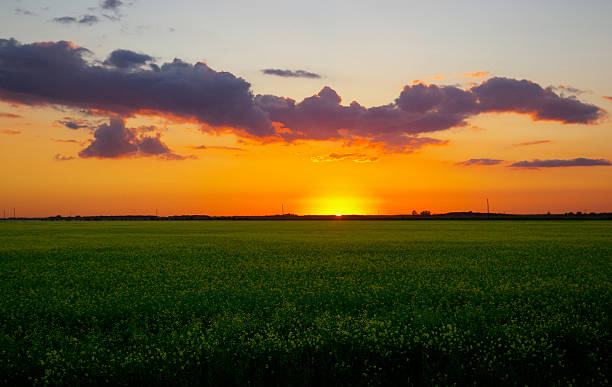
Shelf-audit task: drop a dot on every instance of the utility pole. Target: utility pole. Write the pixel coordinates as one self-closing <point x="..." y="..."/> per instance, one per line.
<point x="156" y="212"/>
<point x="282" y="209"/>
<point x="14" y="217"/>
<point x="488" y="214"/>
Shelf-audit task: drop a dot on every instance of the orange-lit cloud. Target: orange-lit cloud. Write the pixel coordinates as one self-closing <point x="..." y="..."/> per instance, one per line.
<point x="9" y="115"/>
<point x="221" y="102"/>
<point x="537" y="142"/>
<point x="477" y="74"/>
<point x="213" y="147"/>
<point x="356" y="157"/>
<point x="437" y="77"/>
<point x="10" y="132"/>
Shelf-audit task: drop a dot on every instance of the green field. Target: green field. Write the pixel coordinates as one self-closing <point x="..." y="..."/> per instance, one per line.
<point x="306" y="303"/>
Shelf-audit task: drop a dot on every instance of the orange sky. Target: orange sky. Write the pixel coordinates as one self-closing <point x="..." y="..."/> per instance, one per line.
<point x="259" y="178"/>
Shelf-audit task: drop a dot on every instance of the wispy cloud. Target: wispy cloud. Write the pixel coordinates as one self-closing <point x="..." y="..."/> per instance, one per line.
<point x="557" y="163"/>
<point x="10" y="132"/>
<point x="214" y="147"/>
<point x="73" y="124"/>
<point x="536" y="142"/>
<point x="85" y="19"/>
<point x="10" y="115"/>
<point x="61" y="141"/>
<point x="480" y="162"/>
<point x="59" y="157"/>
<point x="477" y="74"/>
<point x="291" y="73"/>
<point x="24" y="12"/>
<point x="356" y="157"/>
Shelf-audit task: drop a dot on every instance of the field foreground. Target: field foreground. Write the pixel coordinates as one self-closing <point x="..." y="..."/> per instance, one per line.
<point x="306" y="303"/>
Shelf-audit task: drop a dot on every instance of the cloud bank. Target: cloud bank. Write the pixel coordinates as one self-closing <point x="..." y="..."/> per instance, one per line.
<point x="556" y="163"/>
<point x="59" y="73"/>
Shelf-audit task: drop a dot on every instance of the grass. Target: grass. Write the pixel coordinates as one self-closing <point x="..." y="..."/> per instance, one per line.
<point x="306" y="303"/>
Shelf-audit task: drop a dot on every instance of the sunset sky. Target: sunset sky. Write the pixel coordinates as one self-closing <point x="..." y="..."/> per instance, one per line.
<point x="324" y="107"/>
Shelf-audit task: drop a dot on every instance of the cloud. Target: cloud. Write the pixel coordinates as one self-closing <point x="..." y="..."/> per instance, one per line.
<point x="537" y="142"/>
<point x="10" y="115"/>
<point x="526" y="97"/>
<point x="66" y="141"/>
<point x="59" y="157"/>
<point x="111" y="4"/>
<point x="65" y="20"/>
<point x="209" y="147"/>
<point x="126" y="59"/>
<point x="72" y="124"/>
<point x="477" y="74"/>
<point x="85" y="19"/>
<point x="24" y="12"/>
<point x="555" y="163"/>
<point x="58" y="73"/>
<point x="480" y="162"/>
<point x="114" y="140"/>
<point x="437" y="77"/>
<point x="356" y="157"/>
<point x="569" y="89"/>
<point x="291" y="73"/>
<point x="10" y="132"/>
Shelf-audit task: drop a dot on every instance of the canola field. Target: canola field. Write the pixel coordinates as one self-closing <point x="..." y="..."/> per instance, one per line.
<point x="306" y="303"/>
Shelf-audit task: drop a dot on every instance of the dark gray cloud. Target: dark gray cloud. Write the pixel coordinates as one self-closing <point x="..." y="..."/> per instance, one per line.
<point x="111" y="4"/>
<point x="114" y="140"/>
<point x="73" y="124"/>
<point x="126" y="59"/>
<point x="555" y="163"/>
<point x="480" y="162"/>
<point x="59" y="74"/>
<point x="526" y="97"/>
<point x="291" y="73"/>
<point x="88" y="19"/>
<point x="65" y="20"/>
<point x="85" y="19"/>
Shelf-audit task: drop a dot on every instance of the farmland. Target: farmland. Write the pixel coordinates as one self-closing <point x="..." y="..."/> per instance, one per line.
<point x="306" y="302"/>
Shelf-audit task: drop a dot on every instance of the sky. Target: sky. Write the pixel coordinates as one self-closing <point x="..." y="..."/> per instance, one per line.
<point x="354" y="107"/>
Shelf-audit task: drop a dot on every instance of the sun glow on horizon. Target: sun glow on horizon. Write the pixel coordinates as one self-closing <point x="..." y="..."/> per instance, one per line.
<point x="339" y="206"/>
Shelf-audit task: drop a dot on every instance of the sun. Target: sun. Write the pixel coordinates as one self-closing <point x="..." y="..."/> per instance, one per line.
<point x="338" y="214"/>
